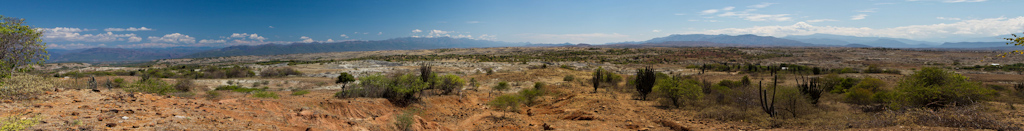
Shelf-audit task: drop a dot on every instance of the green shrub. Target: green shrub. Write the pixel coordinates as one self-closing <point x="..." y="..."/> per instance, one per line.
<point x="279" y="72"/>
<point x="678" y="91"/>
<point x="184" y="85"/>
<point x="449" y="83"/>
<point x="538" y="85"/>
<point x="530" y="95"/>
<point x="299" y="92"/>
<point x="24" y="86"/>
<point x="935" y="87"/>
<point x="859" y="96"/>
<point x="872" y="84"/>
<point x="156" y="86"/>
<point x="405" y="120"/>
<point x="14" y="123"/>
<point x="506" y="102"/>
<point x="236" y="88"/>
<point x="265" y="94"/>
<point x="212" y="95"/>
<point x="569" y="78"/>
<point x="502" y="86"/>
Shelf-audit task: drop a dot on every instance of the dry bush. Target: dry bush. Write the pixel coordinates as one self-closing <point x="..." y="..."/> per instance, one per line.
<point x="24" y="86"/>
<point x="959" y="117"/>
<point x="730" y="113"/>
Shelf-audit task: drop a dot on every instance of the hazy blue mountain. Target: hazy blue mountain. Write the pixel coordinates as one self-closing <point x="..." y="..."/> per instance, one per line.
<point x="750" y="40"/>
<point x="973" y="45"/>
<point x="406" y="43"/>
<point x="121" y="54"/>
<point x="830" y="39"/>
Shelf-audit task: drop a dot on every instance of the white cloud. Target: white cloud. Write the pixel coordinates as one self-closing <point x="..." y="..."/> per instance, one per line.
<point x="592" y="38"/>
<point x="947" y="18"/>
<point x="256" y="37"/>
<point x="958" y="1"/>
<point x="128" y="29"/>
<point x="252" y="36"/>
<point x="871" y="10"/>
<point x="149" y="45"/>
<point x="134" y="39"/>
<point x="655" y="30"/>
<point x="962" y="29"/>
<point x="819" y="20"/>
<point x="728" y="8"/>
<point x="762" y="5"/>
<point x="173" y="38"/>
<point x="757" y="17"/>
<point x="680" y="14"/>
<point x="270" y="27"/>
<point x="330" y="40"/>
<point x="343" y="35"/>
<point x="416" y="31"/>
<point x="208" y="41"/>
<point x="306" y="39"/>
<point x="472" y="22"/>
<point x="380" y="33"/>
<point x="709" y="11"/>
<point x="858" y="17"/>
<point x="451" y="34"/>
<point x="72" y="34"/>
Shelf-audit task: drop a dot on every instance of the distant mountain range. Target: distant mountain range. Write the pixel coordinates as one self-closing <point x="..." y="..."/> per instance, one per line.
<point x="93" y="55"/>
<point x="407" y="43"/>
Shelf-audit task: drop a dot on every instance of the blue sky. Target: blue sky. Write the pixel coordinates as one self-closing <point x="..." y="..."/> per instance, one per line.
<point x="183" y="23"/>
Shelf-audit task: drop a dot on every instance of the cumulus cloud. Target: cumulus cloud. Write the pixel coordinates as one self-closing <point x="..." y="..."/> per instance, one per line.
<point x="173" y="38"/>
<point x="762" y="5"/>
<point x="451" y="34"/>
<point x="757" y="17"/>
<point x="343" y="35"/>
<point x="128" y="29"/>
<point x="252" y="36"/>
<point x="858" y="17"/>
<point x="728" y="8"/>
<point x="306" y="39"/>
<point x="819" y="20"/>
<point x="416" y="31"/>
<point x="709" y="11"/>
<point x="73" y="34"/>
<point x="947" y="18"/>
<point x="330" y="40"/>
<point x="149" y="45"/>
<point x="208" y="41"/>
<point x="962" y="29"/>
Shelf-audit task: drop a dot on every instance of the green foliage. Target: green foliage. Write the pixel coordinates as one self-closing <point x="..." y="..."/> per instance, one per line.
<point x="399" y="90"/>
<point x="508" y="102"/>
<point x="14" y="123"/>
<point x="569" y="78"/>
<point x="24" y="86"/>
<point x="20" y="45"/>
<point x="859" y="96"/>
<point x="156" y="86"/>
<point x="184" y="85"/>
<point x="502" y="86"/>
<point x="279" y="72"/>
<point x="530" y="95"/>
<point x="645" y="80"/>
<point x="1016" y="41"/>
<point x="838" y="84"/>
<point x="538" y="85"/>
<point x="265" y="94"/>
<point x="872" y="84"/>
<point x="344" y="78"/>
<point x="236" y="88"/>
<point x="565" y="67"/>
<point x="935" y="87"/>
<point x="299" y="92"/>
<point x="677" y="91"/>
<point x="405" y="120"/>
<point x="118" y="82"/>
<point x="212" y="95"/>
<point x="449" y="83"/>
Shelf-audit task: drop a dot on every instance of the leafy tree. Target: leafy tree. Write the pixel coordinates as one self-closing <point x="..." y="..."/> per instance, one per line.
<point x="20" y="45"/>
<point x="1016" y="41"/>
<point x="502" y="86"/>
<point x="344" y="78"/>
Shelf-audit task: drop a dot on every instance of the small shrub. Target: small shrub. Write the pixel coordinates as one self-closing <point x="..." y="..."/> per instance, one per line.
<point x="502" y="86"/>
<point x="678" y="91"/>
<point x="565" y="67"/>
<point x="450" y="83"/>
<point x="300" y="92"/>
<point x="212" y="95"/>
<point x="265" y="94"/>
<point x="23" y="86"/>
<point x="530" y="95"/>
<point x="151" y="86"/>
<point x="538" y="85"/>
<point x="935" y="87"/>
<point x="506" y="102"/>
<point x="184" y="85"/>
<point x="279" y="72"/>
<point x="405" y="120"/>
<point x="14" y="123"/>
<point x="569" y="78"/>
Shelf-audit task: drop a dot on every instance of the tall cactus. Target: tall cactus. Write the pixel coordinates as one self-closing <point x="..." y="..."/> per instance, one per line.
<point x="645" y="79"/>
